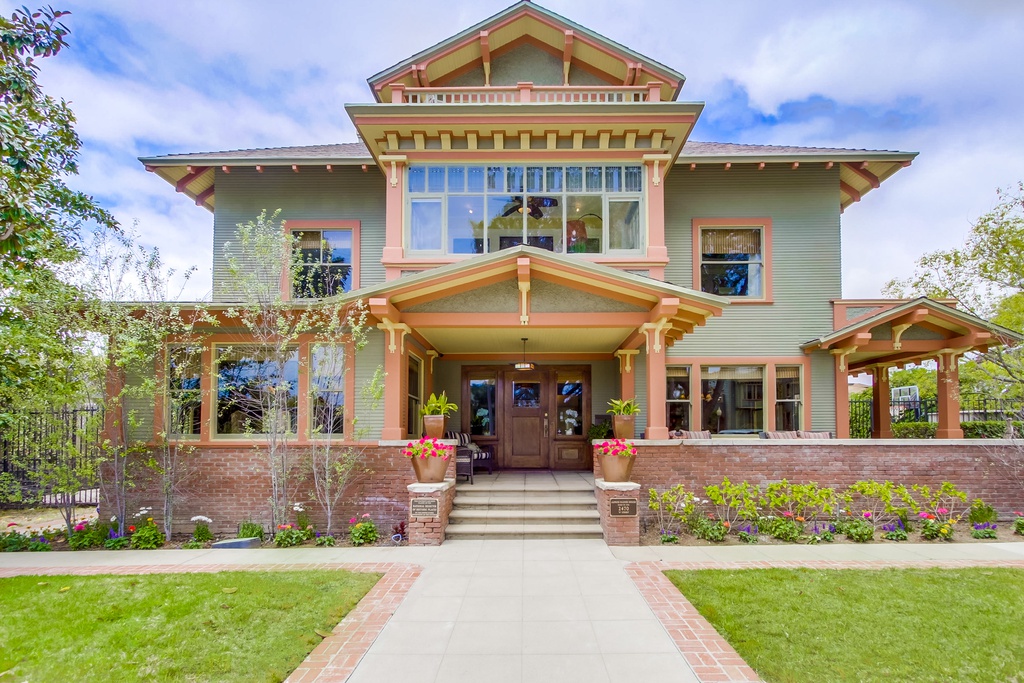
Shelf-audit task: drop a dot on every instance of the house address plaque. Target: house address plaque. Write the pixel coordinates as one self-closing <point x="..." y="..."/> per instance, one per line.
<point x="423" y="507"/>
<point x="623" y="507"/>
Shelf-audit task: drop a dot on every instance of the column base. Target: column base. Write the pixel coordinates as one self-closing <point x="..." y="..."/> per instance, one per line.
<point x="618" y="530"/>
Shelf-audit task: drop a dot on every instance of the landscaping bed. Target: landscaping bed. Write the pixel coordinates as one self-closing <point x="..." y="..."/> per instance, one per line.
<point x="796" y="625"/>
<point x="228" y="626"/>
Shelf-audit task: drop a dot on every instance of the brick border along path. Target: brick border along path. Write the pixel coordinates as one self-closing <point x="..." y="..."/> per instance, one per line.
<point x="334" y="659"/>
<point x="708" y="654"/>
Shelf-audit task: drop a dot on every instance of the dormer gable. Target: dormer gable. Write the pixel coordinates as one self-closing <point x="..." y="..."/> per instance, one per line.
<point x="527" y="43"/>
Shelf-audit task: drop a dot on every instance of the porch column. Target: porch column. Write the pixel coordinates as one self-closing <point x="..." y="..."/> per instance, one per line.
<point x="394" y="172"/>
<point x="394" y="357"/>
<point x="949" y="397"/>
<point x="627" y="374"/>
<point x="657" y="164"/>
<point x="881" y="417"/>
<point x="842" y="399"/>
<point x="656" y="350"/>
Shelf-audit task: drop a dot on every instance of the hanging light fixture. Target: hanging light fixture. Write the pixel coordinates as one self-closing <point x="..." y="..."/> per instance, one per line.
<point x="524" y="364"/>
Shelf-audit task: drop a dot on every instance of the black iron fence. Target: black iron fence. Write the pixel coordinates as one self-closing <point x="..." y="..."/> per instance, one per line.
<point x="51" y="457"/>
<point x="973" y="408"/>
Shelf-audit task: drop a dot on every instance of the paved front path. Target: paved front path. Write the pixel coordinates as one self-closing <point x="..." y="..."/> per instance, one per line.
<point x="493" y="611"/>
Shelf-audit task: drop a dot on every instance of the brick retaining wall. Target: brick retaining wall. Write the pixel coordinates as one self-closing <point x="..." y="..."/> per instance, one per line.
<point x="232" y="484"/>
<point x="971" y="465"/>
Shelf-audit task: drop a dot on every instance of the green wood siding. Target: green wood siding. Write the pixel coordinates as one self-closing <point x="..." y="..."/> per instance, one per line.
<point x="345" y="194"/>
<point x="370" y="420"/>
<point x="139" y="409"/>
<point x="823" y="392"/>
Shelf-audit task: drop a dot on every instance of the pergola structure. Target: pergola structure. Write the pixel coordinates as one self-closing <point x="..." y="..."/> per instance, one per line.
<point x="879" y="335"/>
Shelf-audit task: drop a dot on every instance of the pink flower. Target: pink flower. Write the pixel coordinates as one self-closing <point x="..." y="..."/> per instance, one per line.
<point x="365" y="515"/>
<point x="942" y="511"/>
<point x="352" y="521"/>
<point x="787" y="513"/>
<point x="11" y="524"/>
<point x="867" y="515"/>
<point x="1018" y="513"/>
<point x="922" y="515"/>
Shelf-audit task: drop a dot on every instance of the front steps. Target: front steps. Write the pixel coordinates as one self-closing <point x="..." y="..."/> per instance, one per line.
<point x="520" y="504"/>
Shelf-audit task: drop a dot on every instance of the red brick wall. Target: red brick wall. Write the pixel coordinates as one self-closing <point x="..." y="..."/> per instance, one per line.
<point x="232" y="484"/>
<point x="430" y="530"/>
<point x="972" y="466"/>
<point x="619" y="530"/>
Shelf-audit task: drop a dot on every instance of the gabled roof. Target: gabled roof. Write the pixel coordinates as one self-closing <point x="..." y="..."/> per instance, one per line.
<point x="647" y="303"/>
<point x="527" y="22"/>
<point x="886" y="338"/>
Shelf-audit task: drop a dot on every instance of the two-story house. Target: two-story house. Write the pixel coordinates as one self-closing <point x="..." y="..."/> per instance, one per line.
<point x="535" y="234"/>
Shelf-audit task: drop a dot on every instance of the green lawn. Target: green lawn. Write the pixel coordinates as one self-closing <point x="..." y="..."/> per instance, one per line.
<point x="232" y="626"/>
<point x="867" y="625"/>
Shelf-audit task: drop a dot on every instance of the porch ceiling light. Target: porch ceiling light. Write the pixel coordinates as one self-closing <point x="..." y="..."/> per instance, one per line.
<point x="524" y="364"/>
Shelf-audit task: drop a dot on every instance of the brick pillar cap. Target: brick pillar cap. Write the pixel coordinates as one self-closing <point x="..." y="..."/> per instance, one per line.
<point x="616" y="485"/>
<point x="434" y="488"/>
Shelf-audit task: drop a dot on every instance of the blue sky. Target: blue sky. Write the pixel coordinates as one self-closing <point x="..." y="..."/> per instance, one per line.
<point x="942" y="78"/>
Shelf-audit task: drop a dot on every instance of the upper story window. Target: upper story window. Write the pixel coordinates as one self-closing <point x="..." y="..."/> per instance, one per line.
<point x="324" y="263"/>
<point x="732" y="257"/>
<point x="594" y="209"/>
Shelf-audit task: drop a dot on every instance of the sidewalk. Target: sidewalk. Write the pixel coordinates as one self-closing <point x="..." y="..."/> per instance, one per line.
<point x="545" y="610"/>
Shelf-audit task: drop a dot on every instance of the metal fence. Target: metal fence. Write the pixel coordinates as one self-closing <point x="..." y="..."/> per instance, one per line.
<point x="973" y="408"/>
<point x="45" y="456"/>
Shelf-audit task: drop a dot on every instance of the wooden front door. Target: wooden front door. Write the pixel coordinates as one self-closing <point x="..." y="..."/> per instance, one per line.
<point x="528" y="423"/>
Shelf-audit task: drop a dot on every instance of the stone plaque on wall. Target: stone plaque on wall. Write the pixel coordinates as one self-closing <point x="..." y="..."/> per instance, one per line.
<point x="623" y="507"/>
<point x="428" y="507"/>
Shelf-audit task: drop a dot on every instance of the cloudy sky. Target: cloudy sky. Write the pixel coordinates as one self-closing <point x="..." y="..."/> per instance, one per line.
<point x="942" y="78"/>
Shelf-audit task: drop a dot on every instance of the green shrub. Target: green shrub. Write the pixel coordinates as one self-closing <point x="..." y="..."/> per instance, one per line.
<point x="193" y="544"/>
<point x="363" y="531"/>
<point x="1018" y="525"/>
<point x="250" y="529"/>
<point x="325" y="541"/>
<point x="202" y="531"/>
<point x="859" y="531"/>
<point x="734" y="501"/>
<point x="746" y="537"/>
<point x="985" y="530"/>
<point x="981" y="513"/>
<point x="984" y="429"/>
<point x="783" y="528"/>
<point x="710" y="530"/>
<point x="13" y="542"/>
<point x="937" y="530"/>
<point x="287" y="536"/>
<point x="914" y="430"/>
<point x="147" y="537"/>
<point x="117" y="543"/>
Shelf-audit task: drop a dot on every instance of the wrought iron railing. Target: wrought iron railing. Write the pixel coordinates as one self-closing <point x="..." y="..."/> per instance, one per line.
<point x="973" y="408"/>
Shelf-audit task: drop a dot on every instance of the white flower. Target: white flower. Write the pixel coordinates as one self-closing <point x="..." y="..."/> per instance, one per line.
<point x="201" y="518"/>
<point x="298" y="507"/>
<point x="114" y="518"/>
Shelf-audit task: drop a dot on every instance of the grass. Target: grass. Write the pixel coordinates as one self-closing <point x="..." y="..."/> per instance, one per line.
<point x="867" y="625"/>
<point x="230" y="626"/>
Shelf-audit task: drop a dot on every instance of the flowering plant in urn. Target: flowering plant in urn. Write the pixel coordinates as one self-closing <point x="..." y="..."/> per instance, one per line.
<point x="617" y="457"/>
<point x="429" y="459"/>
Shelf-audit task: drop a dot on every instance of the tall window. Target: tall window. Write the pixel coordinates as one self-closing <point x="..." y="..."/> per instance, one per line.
<point x="677" y="398"/>
<point x="731" y="261"/>
<point x="732" y="398"/>
<point x="257" y="390"/>
<point x="184" y="394"/>
<point x="568" y="209"/>
<point x="570" y="404"/>
<point x="327" y="390"/>
<point x="324" y="265"/>
<point x="482" y="398"/>
<point x="787" y="397"/>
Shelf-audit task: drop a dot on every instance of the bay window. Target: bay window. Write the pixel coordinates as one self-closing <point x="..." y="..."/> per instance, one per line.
<point x="593" y="209"/>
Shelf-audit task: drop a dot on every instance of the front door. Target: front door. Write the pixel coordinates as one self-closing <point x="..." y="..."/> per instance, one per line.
<point x="528" y="422"/>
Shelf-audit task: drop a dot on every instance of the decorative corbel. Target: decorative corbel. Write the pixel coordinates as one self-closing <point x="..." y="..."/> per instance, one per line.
<point x="523" y="272"/>
<point x="897" y="332"/>
<point x="433" y="355"/>
<point x="952" y="355"/>
<point x="393" y="329"/>
<point x="842" y="353"/>
<point x="394" y="160"/>
<point x="625" y="357"/>
<point x="658" y="331"/>
<point x="655" y="160"/>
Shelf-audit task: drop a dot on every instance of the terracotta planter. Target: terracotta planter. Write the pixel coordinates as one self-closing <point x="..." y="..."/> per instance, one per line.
<point x="429" y="470"/>
<point x="616" y="467"/>
<point x="623" y="426"/>
<point x="433" y="425"/>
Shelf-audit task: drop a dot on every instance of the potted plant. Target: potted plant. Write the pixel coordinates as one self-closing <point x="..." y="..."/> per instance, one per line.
<point x="435" y="412"/>
<point x="617" y="457"/>
<point x="429" y="459"/>
<point x="623" y="414"/>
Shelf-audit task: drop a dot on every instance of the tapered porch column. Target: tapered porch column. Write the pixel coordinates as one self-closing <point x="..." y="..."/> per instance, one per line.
<point x="881" y="416"/>
<point x="842" y="399"/>
<point x="949" y="397"/>
<point x="656" y="351"/>
<point x="394" y="369"/>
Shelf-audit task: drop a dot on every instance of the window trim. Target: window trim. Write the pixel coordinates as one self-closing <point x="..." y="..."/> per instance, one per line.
<point x="291" y="226"/>
<point x="765" y="225"/>
<point x="165" y="420"/>
<point x="306" y="381"/>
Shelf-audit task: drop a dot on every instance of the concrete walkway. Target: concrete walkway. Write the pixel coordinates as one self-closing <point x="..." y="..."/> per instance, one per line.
<point x="526" y="610"/>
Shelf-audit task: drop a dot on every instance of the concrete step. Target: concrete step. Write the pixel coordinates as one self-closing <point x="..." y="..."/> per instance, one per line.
<point x="523" y="516"/>
<point x="509" y="502"/>
<point x="497" y="531"/>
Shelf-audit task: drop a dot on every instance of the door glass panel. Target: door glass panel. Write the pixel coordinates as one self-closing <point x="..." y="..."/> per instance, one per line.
<point x="481" y="407"/>
<point x="526" y="394"/>
<point x="570" y="404"/>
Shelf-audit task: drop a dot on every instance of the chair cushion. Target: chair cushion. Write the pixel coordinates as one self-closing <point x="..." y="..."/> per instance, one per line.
<point x="462" y="438"/>
<point x="815" y="435"/>
<point x="683" y="434"/>
<point x="782" y="435"/>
